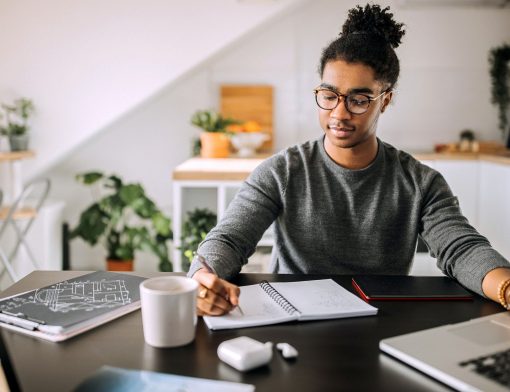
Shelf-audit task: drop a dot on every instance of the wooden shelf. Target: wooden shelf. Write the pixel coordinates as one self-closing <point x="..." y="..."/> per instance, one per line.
<point x="22" y="213"/>
<point x="15" y="155"/>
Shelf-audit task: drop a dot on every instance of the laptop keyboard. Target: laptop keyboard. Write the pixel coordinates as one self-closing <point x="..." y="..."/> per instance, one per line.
<point x="495" y="366"/>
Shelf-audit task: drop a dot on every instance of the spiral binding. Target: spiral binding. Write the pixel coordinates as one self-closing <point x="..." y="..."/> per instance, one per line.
<point x="278" y="298"/>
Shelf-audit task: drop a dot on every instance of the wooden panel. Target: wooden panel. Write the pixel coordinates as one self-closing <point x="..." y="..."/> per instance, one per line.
<point x="250" y="103"/>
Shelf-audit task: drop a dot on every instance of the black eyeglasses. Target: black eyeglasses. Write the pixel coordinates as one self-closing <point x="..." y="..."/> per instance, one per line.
<point x="354" y="103"/>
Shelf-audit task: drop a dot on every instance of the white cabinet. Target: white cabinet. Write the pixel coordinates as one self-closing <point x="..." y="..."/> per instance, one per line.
<point x="210" y="183"/>
<point x="483" y="189"/>
<point x="494" y="206"/>
<point x="214" y="194"/>
<point x="463" y="178"/>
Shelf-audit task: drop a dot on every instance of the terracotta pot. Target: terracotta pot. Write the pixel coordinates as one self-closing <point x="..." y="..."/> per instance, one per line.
<point x="214" y="145"/>
<point x="119" y="265"/>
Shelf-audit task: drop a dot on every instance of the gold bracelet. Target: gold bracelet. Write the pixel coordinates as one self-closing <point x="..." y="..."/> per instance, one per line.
<point x="501" y="293"/>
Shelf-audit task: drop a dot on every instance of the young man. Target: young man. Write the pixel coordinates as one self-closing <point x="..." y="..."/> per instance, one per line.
<point x="348" y="203"/>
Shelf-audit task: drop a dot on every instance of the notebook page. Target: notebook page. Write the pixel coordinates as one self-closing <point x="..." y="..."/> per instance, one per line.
<point x="258" y="308"/>
<point x="322" y="299"/>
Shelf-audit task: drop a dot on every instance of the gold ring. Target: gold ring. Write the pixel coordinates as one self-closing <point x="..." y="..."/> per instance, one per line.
<point x="202" y="293"/>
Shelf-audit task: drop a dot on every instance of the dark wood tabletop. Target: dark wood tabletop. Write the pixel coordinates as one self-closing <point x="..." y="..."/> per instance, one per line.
<point x="334" y="355"/>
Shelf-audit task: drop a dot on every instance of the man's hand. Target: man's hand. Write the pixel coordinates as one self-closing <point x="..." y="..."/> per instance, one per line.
<point x="215" y="296"/>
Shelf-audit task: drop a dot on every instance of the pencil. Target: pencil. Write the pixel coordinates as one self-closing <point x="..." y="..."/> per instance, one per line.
<point x="206" y="265"/>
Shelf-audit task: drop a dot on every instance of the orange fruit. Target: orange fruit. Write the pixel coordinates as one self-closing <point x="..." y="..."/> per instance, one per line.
<point x="252" y="126"/>
<point x="235" y="128"/>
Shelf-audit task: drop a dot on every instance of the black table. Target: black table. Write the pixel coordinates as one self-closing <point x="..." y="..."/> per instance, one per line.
<point x="334" y="355"/>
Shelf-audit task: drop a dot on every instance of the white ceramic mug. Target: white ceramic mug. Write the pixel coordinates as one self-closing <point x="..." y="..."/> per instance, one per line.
<point x="169" y="310"/>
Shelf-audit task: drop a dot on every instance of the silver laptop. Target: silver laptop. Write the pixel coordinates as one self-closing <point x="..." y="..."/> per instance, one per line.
<point x="469" y="356"/>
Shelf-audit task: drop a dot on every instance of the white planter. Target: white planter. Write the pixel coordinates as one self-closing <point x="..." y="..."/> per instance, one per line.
<point x="19" y="142"/>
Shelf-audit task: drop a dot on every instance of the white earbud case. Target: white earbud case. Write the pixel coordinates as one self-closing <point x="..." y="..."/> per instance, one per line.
<point x="244" y="353"/>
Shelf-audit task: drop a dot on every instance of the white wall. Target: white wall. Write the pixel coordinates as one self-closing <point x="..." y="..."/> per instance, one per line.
<point x="85" y="63"/>
<point x="444" y="88"/>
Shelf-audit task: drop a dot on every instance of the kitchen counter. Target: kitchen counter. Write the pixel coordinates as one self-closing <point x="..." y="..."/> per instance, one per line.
<point x="237" y="169"/>
<point x="223" y="169"/>
<point x="498" y="157"/>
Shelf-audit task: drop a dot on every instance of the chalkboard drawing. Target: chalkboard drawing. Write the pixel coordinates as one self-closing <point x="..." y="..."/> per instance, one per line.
<point x="77" y="295"/>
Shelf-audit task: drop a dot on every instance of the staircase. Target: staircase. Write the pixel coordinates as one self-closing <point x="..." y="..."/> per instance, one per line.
<point x="87" y="63"/>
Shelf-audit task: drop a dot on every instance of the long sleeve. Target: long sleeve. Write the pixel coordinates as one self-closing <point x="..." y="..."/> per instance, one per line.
<point x="462" y="253"/>
<point x="256" y="205"/>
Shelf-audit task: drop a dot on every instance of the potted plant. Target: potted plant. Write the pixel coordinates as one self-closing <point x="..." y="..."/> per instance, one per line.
<point x="499" y="60"/>
<point x="198" y="223"/>
<point x="123" y="219"/>
<point x="214" y="139"/>
<point x="15" y="123"/>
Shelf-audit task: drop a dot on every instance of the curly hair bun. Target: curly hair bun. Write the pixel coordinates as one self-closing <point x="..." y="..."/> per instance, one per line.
<point x="375" y="21"/>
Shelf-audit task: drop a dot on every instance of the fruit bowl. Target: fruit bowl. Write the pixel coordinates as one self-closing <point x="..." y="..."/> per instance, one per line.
<point x="246" y="143"/>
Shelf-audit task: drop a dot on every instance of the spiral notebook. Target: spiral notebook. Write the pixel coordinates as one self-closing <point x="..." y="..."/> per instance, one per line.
<point x="279" y="302"/>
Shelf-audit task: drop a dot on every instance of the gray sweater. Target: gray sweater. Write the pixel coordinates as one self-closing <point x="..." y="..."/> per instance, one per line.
<point x="332" y="220"/>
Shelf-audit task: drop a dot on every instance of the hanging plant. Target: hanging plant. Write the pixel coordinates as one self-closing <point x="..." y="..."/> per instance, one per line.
<point x="499" y="59"/>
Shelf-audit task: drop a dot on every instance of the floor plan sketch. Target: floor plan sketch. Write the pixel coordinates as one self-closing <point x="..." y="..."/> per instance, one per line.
<point x="63" y="309"/>
<point x="87" y="295"/>
<point x="74" y="295"/>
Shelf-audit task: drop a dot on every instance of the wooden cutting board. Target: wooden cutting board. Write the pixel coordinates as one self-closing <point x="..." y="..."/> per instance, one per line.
<point x="250" y="103"/>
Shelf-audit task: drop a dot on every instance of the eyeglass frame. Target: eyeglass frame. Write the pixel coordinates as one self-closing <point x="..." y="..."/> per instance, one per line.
<point x="344" y="96"/>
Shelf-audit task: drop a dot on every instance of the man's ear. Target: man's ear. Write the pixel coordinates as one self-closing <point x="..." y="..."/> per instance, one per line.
<point x="386" y="100"/>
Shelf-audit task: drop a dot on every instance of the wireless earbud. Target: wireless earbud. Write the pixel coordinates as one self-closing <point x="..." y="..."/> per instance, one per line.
<point x="287" y="350"/>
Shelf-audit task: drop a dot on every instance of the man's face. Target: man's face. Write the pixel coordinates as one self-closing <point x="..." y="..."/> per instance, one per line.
<point x="344" y="129"/>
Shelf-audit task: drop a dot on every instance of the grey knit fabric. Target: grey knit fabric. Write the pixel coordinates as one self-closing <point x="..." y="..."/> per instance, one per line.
<point x="332" y="220"/>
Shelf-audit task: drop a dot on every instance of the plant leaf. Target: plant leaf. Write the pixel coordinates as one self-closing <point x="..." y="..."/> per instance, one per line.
<point x="92" y="224"/>
<point x="89" y="178"/>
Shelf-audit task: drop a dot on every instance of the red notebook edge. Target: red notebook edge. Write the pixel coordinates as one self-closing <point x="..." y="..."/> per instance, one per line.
<point x="366" y="298"/>
<point x="358" y="289"/>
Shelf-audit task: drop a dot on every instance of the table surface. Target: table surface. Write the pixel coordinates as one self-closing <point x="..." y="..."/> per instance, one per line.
<point x="337" y="355"/>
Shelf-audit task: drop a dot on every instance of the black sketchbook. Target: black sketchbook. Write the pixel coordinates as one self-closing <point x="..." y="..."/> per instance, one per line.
<point x="404" y="287"/>
<point x="68" y="308"/>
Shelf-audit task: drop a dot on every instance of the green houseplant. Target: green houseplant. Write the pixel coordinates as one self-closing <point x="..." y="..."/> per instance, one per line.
<point x="15" y="123"/>
<point x="499" y="60"/>
<point x="214" y="140"/>
<point x="123" y="219"/>
<point x="211" y="121"/>
<point x="194" y="229"/>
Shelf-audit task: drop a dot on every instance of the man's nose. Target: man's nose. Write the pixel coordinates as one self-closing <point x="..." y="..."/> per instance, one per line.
<point x="341" y="112"/>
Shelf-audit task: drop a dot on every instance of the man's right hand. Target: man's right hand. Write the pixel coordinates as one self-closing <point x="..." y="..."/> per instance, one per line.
<point x="215" y="296"/>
